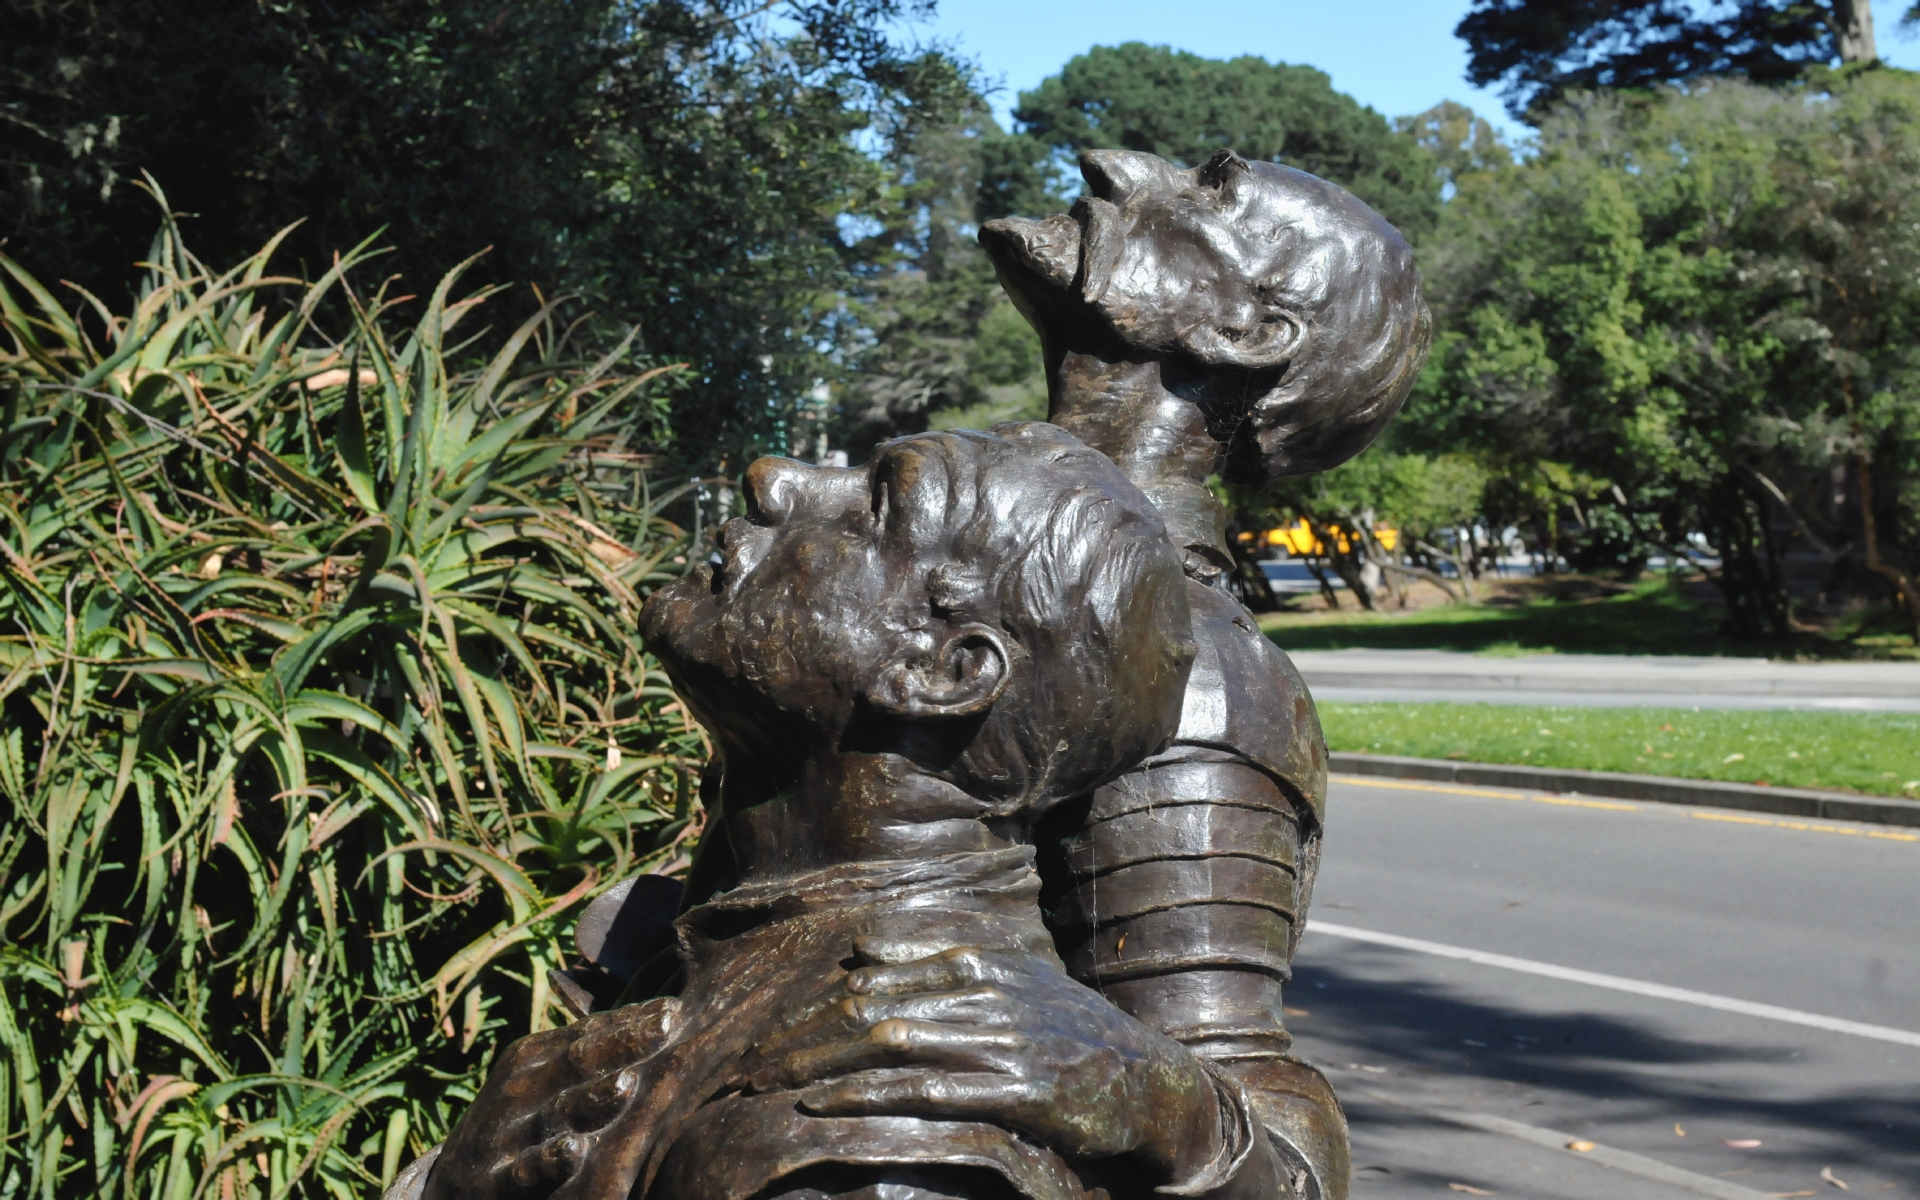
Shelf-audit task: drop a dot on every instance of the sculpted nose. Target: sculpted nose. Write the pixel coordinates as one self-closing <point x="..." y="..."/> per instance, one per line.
<point x="1112" y="174"/>
<point x="780" y="489"/>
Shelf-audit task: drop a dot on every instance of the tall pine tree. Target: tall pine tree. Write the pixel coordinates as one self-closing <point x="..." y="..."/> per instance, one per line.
<point x="1536" y="50"/>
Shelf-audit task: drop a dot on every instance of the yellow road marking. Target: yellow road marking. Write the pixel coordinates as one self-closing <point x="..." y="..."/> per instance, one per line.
<point x="1805" y="827"/>
<point x="1537" y="798"/>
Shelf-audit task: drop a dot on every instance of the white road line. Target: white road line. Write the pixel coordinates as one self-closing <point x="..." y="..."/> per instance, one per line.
<point x="1616" y="983"/>
<point x="1554" y="1139"/>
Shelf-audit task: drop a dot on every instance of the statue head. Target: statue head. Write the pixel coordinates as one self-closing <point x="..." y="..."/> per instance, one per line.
<point x="1002" y="608"/>
<point x="1285" y="307"/>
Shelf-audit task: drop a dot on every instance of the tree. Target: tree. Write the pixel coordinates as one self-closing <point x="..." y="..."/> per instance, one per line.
<point x="1459" y="142"/>
<point x="1184" y="107"/>
<point x="1538" y="50"/>
<point x="946" y="347"/>
<point x="683" y="165"/>
<point x="1428" y="500"/>
<point x="1706" y="308"/>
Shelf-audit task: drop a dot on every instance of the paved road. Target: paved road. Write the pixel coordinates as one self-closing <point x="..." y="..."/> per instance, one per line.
<point x="1610" y="680"/>
<point x="1449" y="1066"/>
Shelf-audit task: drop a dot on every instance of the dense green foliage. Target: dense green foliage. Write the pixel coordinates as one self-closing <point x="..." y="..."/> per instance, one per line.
<point x="1863" y="752"/>
<point x="944" y="339"/>
<point x="683" y="165"/>
<point x="783" y="196"/>
<point x="1697" y="314"/>
<point x="322" y="712"/>
<point x="1539" y="50"/>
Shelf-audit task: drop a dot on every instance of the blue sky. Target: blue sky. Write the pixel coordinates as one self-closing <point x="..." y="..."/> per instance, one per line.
<point x="1400" y="56"/>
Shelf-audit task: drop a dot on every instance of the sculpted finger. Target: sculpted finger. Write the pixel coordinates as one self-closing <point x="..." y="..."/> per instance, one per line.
<point x="831" y="1022"/>
<point x="881" y="949"/>
<point x="894" y="1042"/>
<point x="628" y="1035"/>
<point x="534" y="1053"/>
<point x="853" y="1016"/>
<point x="593" y="1104"/>
<point x="981" y="1007"/>
<point x="985" y="1095"/>
<point x="933" y="1043"/>
<point x="949" y="971"/>
<point x="547" y="1165"/>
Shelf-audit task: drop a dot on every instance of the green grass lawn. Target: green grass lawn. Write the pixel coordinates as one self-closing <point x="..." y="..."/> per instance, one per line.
<point x="1653" y="617"/>
<point x="1862" y="752"/>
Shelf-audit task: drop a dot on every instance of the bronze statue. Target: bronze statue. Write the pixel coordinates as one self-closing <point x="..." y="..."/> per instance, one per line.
<point x="1249" y="321"/>
<point x="1018" y="813"/>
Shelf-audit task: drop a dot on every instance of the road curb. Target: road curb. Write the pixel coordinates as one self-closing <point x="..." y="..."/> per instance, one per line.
<point x="1658" y="789"/>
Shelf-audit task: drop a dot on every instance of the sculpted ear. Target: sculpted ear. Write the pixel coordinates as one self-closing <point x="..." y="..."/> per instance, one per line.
<point x="962" y="678"/>
<point x="1272" y="342"/>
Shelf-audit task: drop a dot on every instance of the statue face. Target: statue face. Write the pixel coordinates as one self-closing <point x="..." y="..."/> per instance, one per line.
<point x="828" y="596"/>
<point x="1285" y="308"/>
<point x="772" y="645"/>
<point x="1168" y="259"/>
<point x="968" y="599"/>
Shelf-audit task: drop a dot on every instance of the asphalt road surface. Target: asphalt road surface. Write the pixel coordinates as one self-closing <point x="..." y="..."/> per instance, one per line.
<point x="1575" y="698"/>
<point x="1652" y="981"/>
<point x="1608" y="680"/>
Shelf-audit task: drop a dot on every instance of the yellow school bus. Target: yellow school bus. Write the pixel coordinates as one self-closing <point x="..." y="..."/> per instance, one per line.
<point x="1298" y="540"/>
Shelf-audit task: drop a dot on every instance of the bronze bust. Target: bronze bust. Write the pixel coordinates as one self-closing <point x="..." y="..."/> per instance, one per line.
<point x="1018" y="813"/>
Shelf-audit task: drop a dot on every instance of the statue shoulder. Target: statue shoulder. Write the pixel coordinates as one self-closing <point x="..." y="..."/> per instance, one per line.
<point x="1246" y="699"/>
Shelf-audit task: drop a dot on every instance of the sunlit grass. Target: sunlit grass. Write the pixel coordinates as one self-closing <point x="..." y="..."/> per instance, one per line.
<point x="1652" y="618"/>
<point x="1655" y="616"/>
<point x="1863" y="752"/>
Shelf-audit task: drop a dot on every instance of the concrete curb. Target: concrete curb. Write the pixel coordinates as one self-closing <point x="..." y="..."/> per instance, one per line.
<point x="1659" y="789"/>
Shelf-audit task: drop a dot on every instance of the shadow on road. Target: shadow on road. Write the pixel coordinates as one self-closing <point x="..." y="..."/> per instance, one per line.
<point x="1435" y="1034"/>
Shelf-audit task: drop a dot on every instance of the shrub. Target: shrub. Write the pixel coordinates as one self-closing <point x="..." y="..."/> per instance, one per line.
<point x="322" y="712"/>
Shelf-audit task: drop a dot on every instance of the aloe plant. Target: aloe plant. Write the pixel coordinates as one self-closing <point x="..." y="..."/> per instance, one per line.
<point x="322" y="712"/>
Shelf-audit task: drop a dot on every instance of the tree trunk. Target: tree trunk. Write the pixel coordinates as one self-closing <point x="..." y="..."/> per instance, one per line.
<point x="1374" y="555"/>
<point x="1751" y="573"/>
<point x="1434" y="577"/>
<point x="1800" y="523"/>
<point x="1319" y="572"/>
<point x="1351" y="567"/>
<point x="1903" y="588"/>
<point x="1853" y="30"/>
<point x="1459" y="567"/>
<point x="1249" y="582"/>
